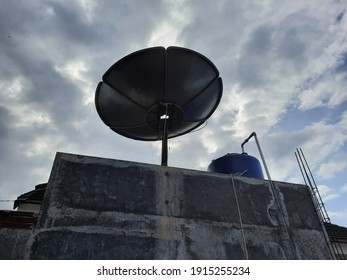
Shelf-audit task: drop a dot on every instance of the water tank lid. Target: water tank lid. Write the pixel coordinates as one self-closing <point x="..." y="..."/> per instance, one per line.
<point x="230" y="154"/>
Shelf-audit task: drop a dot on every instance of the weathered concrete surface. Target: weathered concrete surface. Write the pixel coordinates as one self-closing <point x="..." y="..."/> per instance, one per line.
<point x="13" y="243"/>
<point x="15" y="231"/>
<point x="98" y="208"/>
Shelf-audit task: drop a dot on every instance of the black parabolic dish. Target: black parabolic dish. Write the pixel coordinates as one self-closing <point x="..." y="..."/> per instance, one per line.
<point x="150" y="88"/>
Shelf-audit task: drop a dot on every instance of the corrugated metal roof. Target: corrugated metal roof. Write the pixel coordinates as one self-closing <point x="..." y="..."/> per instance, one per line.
<point x="33" y="197"/>
<point x="336" y="232"/>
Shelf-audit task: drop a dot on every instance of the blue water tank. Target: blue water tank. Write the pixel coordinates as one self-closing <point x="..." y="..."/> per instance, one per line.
<point x="237" y="164"/>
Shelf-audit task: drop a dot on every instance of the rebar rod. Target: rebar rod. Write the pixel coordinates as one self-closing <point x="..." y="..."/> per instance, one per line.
<point x="332" y="242"/>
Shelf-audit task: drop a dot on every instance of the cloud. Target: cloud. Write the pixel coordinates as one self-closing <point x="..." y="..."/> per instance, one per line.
<point x="329" y="169"/>
<point x="338" y="216"/>
<point x="329" y="89"/>
<point x="49" y="71"/>
<point x="277" y="61"/>
<point x="339" y="17"/>
<point x="327" y="193"/>
<point x="283" y="65"/>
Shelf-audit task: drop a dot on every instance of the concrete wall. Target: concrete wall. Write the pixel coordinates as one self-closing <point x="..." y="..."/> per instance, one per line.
<point x="344" y="249"/>
<point x="15" y="231"/>
<point x="13" y="243"/>
<point x="98" y="208"/>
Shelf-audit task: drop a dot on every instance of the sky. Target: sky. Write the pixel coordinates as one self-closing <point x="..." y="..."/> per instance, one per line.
<point x="283" y="65"/>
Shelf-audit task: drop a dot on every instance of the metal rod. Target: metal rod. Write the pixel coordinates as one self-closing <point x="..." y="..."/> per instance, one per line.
<point x="302" y="173"/>
<point x="262" y="157"/>
<point x="253" y="134"/>
<point x="305" y="171"/>
<point x="333" y="243"/>
<point x="282" y="224"/>
<point x="244" y="142"/>
<point x="164" y="146"/>
<point x="164" y="150"/>
<point x="314" y="182"/>
<point x="272" y="185"/>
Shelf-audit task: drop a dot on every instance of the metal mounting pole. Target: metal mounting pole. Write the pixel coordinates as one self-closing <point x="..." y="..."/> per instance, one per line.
<point x="164" y="152"/>
<point x="164" y="148"/>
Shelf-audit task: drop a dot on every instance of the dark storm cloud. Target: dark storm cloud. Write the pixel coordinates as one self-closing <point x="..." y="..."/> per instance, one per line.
<point x="260" y="40"/>
<point x="296" y="34"/>
<point x="71" y="24"/>
<point x="339" y="17"/>
<point x="5" y="119"/>
<point x="29" y="54"/>
<point x="216" y="28"/>
<point x="43" y="107"/>
<point x="55" y="33"/>
<point x="257" y="49"/>
<point x="249" y="45"/>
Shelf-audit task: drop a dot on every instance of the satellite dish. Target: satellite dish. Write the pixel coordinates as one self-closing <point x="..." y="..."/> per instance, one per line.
<point x="157" y="93"/>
